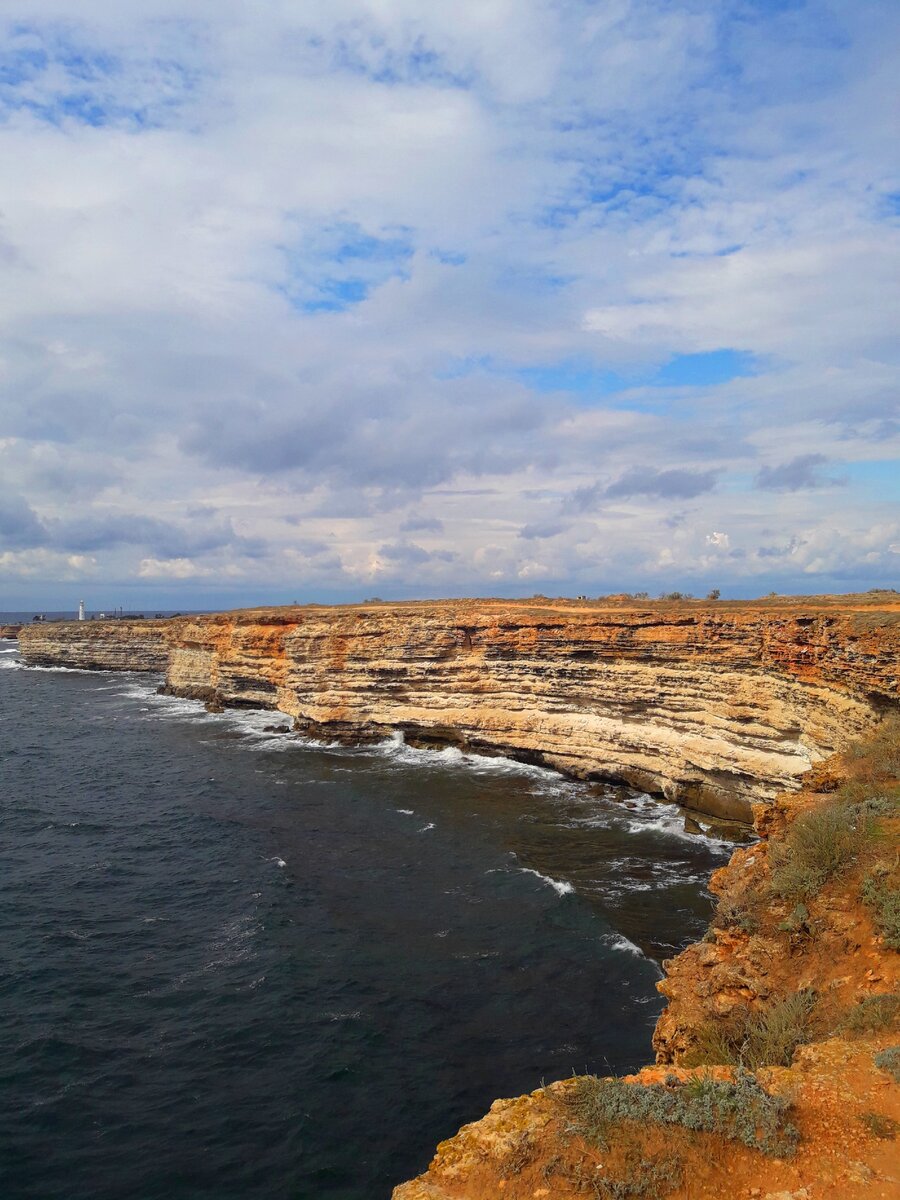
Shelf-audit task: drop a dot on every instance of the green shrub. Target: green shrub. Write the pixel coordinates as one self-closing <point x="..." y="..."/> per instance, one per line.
<point x="753" y="1040"/>
<point x="818" y="845"/>
<point x="873" y="1014"/>
<point x="883" y="898"/>
<point x="741" y="1111"/>
<point x="889" y="1060"/>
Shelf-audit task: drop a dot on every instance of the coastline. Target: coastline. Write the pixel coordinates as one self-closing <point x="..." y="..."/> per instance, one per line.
<point x="712" y="706"/>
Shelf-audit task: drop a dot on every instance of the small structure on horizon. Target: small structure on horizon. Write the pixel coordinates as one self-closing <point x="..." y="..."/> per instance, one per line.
<point x="80" y="610"/>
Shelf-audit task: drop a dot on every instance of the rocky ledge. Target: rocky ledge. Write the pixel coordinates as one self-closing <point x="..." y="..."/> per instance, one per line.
<point x="713" y="705"/>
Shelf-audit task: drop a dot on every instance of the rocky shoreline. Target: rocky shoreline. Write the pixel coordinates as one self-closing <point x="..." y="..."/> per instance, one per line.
<point x="721" y="707"/>
<point x="713" y="706"/>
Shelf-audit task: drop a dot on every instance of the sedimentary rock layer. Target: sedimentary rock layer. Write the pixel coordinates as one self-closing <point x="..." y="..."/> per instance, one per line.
<point x="709" y="704"/>
<point x="97" y="645"/>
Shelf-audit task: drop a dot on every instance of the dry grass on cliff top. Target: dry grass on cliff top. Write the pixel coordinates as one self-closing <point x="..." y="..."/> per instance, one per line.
<point x="877" y="600"/>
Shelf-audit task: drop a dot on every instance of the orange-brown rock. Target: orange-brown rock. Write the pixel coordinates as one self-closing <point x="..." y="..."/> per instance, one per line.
<point x="9" y="631"/>
<point x="125" y="645"/>
<point x="710" y="704"/>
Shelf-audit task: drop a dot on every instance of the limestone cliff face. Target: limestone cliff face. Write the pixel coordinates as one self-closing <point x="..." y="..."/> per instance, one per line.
<point x="710" y="705"/>
<point x="96" y="645"/>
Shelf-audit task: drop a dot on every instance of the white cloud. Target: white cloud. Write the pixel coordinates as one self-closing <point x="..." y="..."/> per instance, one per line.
<point x="476" y="191"/>
<point x="170" y="568"/>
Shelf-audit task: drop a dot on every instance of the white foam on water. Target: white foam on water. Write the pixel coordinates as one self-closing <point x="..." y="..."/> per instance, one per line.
<point x="644" y="814"/>
<point x="618" y="941"/>
<point x="559" y="886"/>
<point x="396" y="748"/>
<point x="12" y="650"/>
<point x="279" y="862"/>
<point x="407" y="812"/>
<point x="425" y="828"/>
<point x="64" y="670"/>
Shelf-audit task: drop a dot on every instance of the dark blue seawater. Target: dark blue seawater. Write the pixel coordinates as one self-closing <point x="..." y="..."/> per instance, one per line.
<point x="239" y="967"/>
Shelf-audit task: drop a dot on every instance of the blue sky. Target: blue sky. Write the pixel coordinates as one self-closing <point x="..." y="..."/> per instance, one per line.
<point x="357" y="298"/>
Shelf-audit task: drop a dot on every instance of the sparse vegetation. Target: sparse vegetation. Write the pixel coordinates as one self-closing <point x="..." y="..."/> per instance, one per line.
<point x="877" y="757"/>
<point x="873" y="1014"/>
<point x="889" y="1061"/>
<point x="761" y="1039"/>
<point x="882" y="896"/>
<point x="730" y="914"/>
<point x="740" y="1111"/>
<point x="519" y="1157"/>
<point x="639" y="1175"/>
<point x="796" y="921"/>
<point x="879" y="1125"/>
<point x="818" y="845"/>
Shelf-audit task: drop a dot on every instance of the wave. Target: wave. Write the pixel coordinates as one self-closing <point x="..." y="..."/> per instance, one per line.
<point x="643" y="814"/>
<point x="618" y="941"/>
<point x="561" y="887"/>
<point x="425" y="828"/>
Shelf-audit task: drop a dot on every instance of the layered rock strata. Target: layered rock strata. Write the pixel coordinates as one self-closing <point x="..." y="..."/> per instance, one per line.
<point x="708" y="705"/>
<point x="97" y="645"/>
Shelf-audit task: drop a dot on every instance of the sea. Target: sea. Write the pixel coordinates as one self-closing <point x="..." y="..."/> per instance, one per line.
<point x="238" y="965"/>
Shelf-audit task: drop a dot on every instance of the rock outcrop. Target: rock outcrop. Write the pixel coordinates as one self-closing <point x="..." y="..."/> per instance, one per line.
<point x="97" y="645"/>
<point x="9" y="631"/>
<point x="712" y="705"/>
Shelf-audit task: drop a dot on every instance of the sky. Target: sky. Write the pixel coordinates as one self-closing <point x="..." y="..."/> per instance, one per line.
<point x="350" y="298"/>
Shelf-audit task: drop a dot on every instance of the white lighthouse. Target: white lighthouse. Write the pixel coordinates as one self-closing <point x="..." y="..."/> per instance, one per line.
<point x="80" y="610"/>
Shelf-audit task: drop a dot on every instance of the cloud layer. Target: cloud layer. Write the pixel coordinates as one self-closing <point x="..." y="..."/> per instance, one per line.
<point x="371" y="296"/>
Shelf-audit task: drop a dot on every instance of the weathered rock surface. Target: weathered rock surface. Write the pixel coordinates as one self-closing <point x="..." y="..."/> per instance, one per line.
<point x="712" y="705"/>
<point x="9" y="631"/>
<point x="96" y="645"/>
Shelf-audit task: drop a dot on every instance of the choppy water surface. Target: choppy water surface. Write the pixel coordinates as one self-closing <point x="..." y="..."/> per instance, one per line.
<point x="237" y="966"/>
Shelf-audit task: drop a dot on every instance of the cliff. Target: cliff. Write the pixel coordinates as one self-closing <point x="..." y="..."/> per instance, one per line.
<point x="778" y="1056"/>
<point x="9" y="631"/>
<point x="97" y="645"/>
<point x="777" y="1063"/>
<point x="712" y="705"/>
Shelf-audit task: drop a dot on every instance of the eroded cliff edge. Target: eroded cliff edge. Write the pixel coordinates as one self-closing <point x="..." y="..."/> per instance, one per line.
<point x="710" y="704"/>
<point x="778" y="1054"/>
